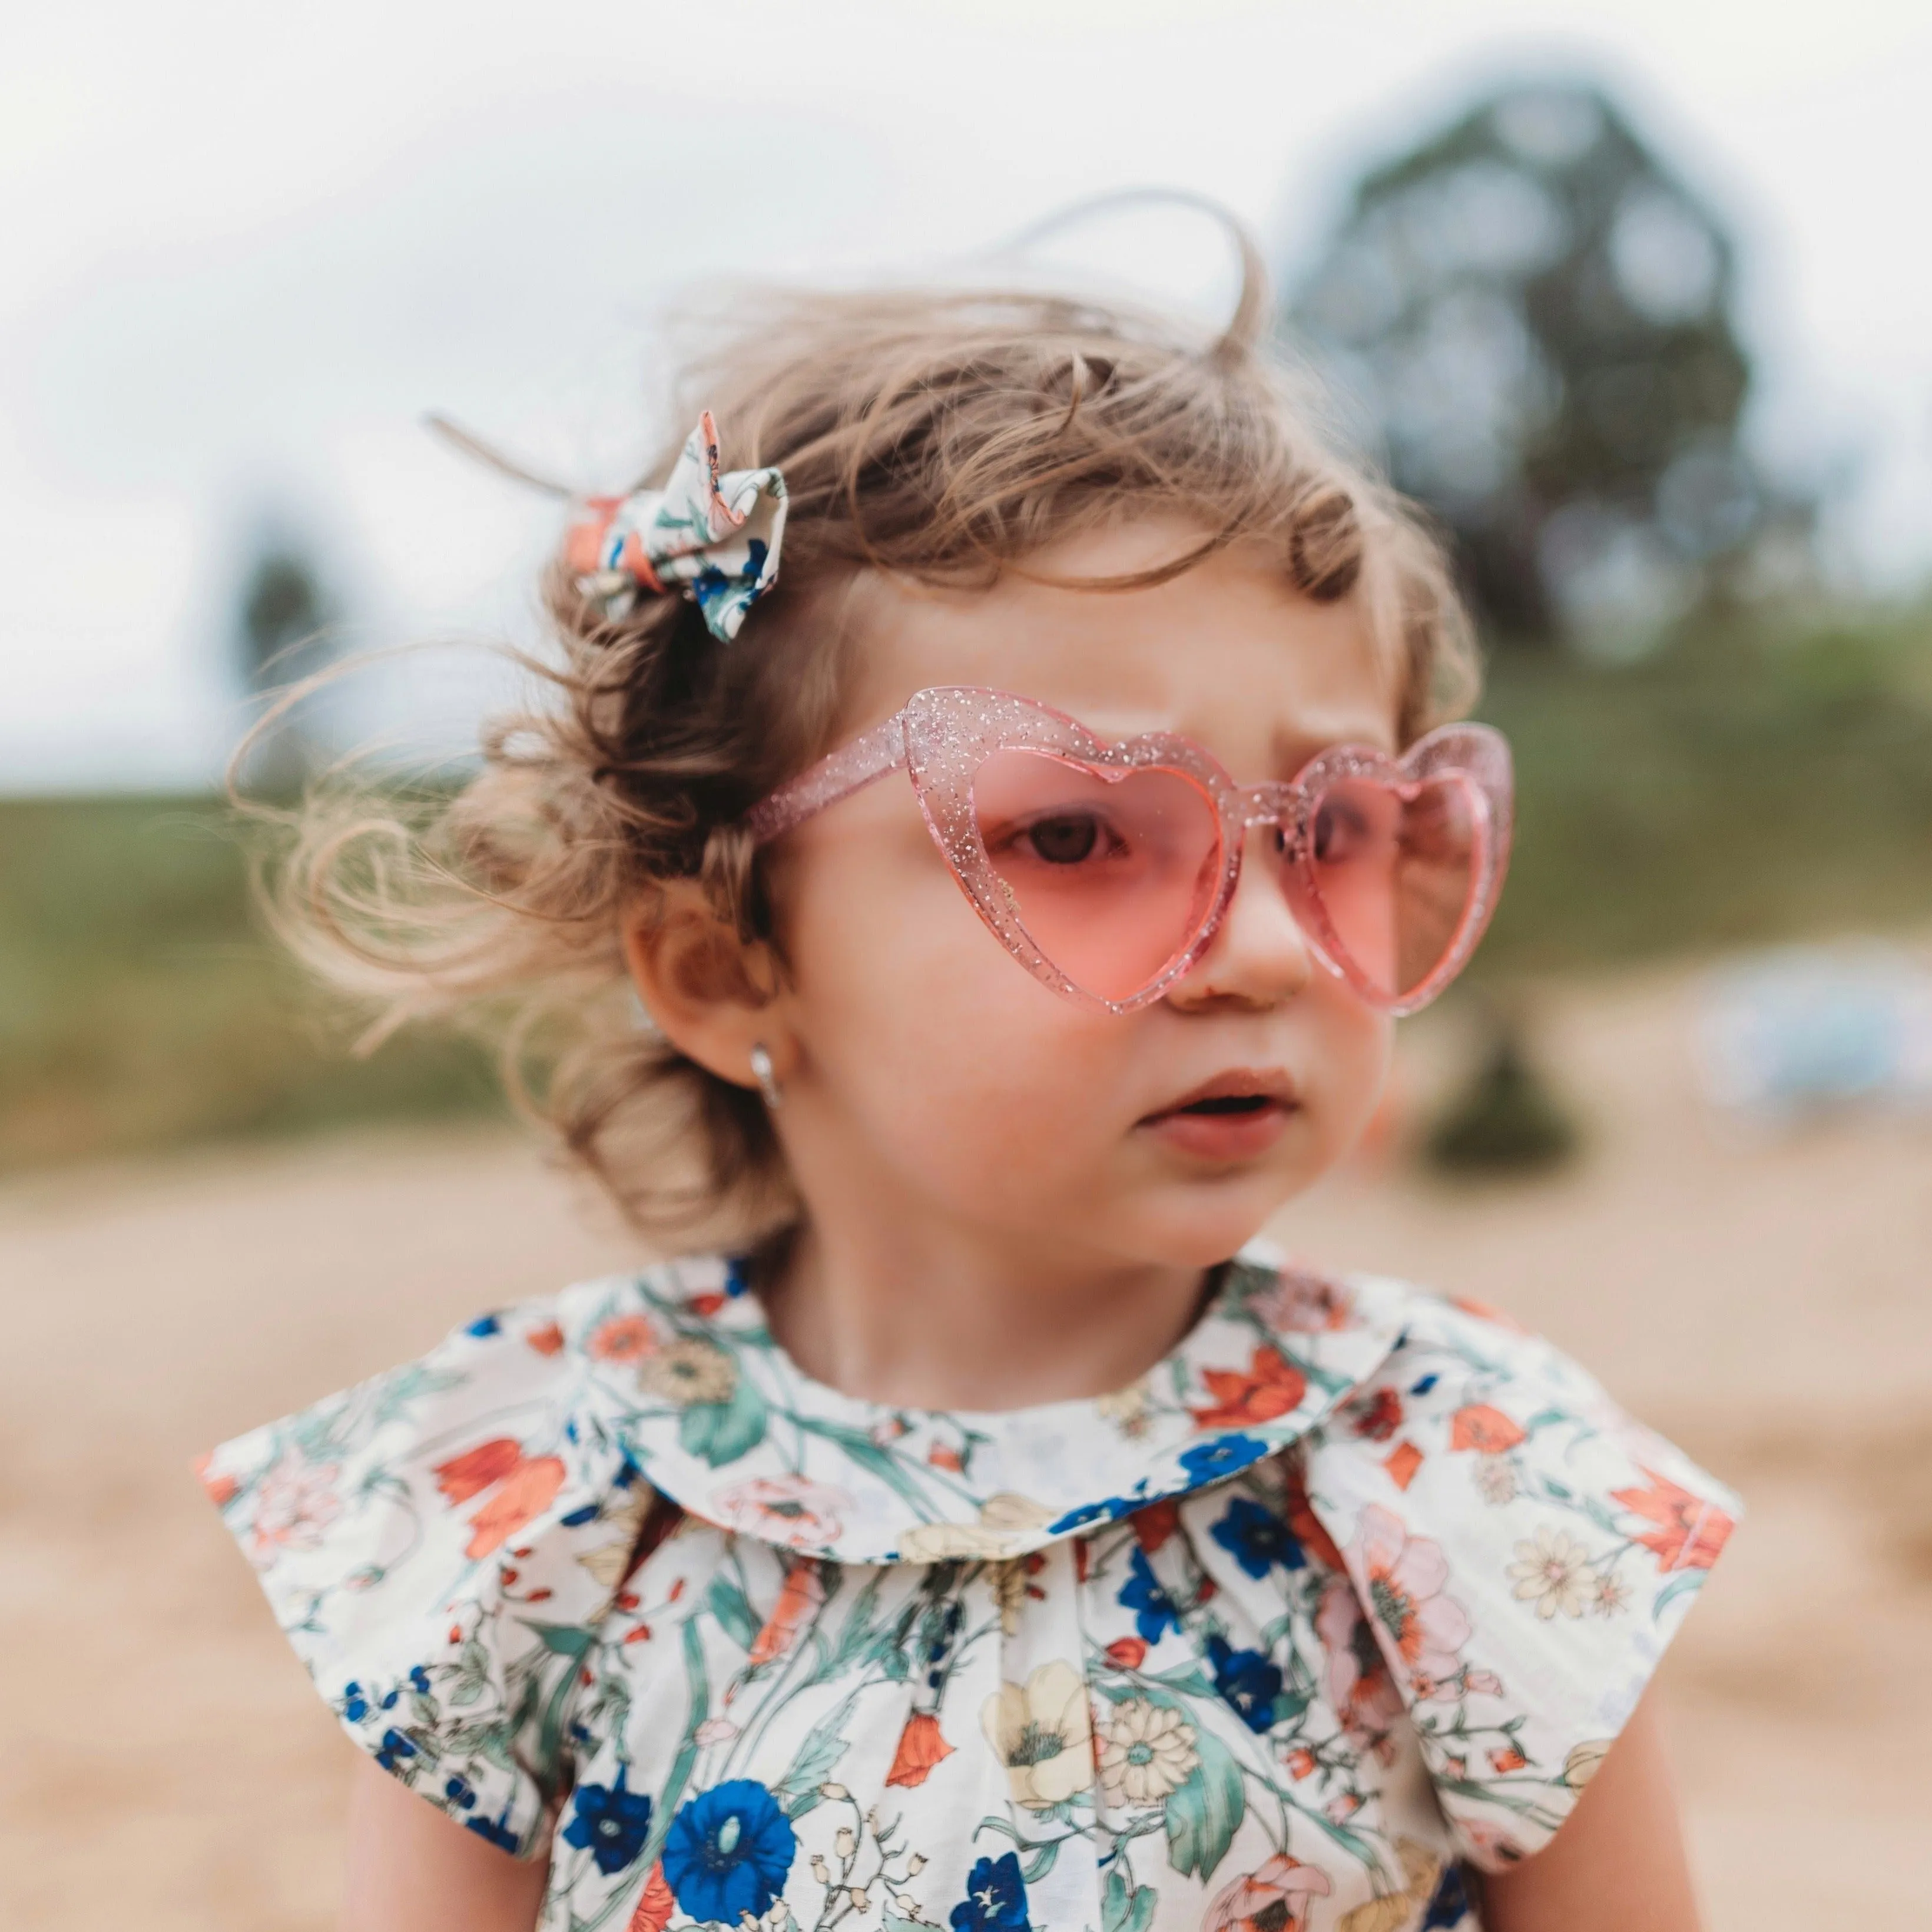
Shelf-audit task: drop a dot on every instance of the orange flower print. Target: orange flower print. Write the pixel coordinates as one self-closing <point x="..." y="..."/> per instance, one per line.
<point x="1273" y="1897"/>
<point x="1487" y="1430"/>
<point x="473" y="1472"/>
<point x="624" y="1338"/>
<point x="547" y="1340"/>
<point x="655" y="1905"/>
<point x="1126" y="1653"/>
<point x="1403" y="1576"/>
<point x="1155" y="1523"/>
<point x="1485" y="1311"/>
<point x="921" y="1748"/>
<point x="529" y="1490"/>
<point x="1308" y="1528"/>
<point x="1401" y="1462"/>
<point x="944" y="1456"/>
<point x="1377" y="1416"/>
<point x="1506" y="1758"/>
<point x="529" y="1486"/>
<point x="1689" y="1532"/>
<point x="1273" y="1386"/>
<point x="221" y="1489"/>
<point x="800" y="1600"/>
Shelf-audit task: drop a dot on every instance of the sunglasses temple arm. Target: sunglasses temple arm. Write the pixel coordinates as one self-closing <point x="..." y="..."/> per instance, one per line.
<point x="852" y="766"/>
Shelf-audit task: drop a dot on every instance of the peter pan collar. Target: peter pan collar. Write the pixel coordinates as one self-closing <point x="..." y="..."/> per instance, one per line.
<point x="717" y="1417"/>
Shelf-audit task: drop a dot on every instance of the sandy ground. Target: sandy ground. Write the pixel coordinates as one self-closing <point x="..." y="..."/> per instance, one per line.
<point x="1769" y="1304"/>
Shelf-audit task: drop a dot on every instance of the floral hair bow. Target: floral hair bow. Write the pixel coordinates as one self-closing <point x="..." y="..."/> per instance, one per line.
<point x="716" y="536"/>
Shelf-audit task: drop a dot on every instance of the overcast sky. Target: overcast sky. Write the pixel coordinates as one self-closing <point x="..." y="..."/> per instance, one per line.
<point x="246" y="247"/>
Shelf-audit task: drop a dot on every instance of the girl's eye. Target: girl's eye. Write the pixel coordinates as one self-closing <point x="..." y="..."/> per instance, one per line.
<point x="1341" y="831"/>
<point x="1063" y="841"/>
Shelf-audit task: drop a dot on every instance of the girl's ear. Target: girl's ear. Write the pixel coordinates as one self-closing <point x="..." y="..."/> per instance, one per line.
<point x="713" y="996"/>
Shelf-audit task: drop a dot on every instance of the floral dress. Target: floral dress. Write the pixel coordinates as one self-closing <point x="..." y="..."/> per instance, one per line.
<point x="1351" y="1593"/>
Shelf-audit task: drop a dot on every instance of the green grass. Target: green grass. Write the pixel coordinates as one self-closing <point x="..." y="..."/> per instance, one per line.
<point x="141" y="1006"/>
<point x="1742" y="790"/>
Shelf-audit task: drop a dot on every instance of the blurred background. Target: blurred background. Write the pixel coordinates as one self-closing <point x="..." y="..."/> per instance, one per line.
<point x="1628" y="294"/>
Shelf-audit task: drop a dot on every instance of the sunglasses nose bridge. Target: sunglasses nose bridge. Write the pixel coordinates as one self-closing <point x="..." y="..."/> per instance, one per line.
<point x="1269" y="806"/>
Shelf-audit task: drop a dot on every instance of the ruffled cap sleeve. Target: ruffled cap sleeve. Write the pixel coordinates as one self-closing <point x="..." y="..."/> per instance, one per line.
<point x="1523" y="1551"/>
<point x="440" y="1545"/>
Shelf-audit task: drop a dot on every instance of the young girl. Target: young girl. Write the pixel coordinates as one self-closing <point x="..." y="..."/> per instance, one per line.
<point x="975" y="1526"/>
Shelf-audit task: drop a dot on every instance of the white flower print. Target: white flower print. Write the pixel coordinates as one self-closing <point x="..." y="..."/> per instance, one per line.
<point x="1042" y="1732"/>
<point x="1147" y="1750"/>
<point x="1552" y="1570"/>
<point x="688" y="1371"/>
<point x="1609" y="1595"/>
<point x="1495" y="1480"/>
<point x="1126" y="1409"/>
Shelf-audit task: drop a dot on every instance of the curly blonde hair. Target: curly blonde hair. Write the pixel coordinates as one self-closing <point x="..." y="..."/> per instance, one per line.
<point x="940" y="437"/>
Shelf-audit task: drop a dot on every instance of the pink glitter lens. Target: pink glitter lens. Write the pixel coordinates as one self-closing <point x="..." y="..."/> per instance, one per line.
<point x="1105" y="869"/>
<point x="1394" y="869"/>
<point x="1111" y="873"/>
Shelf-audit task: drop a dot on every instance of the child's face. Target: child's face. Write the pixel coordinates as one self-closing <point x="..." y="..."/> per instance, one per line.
<point x="929" y="1074"/>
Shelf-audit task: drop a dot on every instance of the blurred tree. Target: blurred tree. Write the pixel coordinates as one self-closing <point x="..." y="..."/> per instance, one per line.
<point x="282" y="614"/>
<point x="1508" y="1119"/>
<point x="283" y="609"/>
<point x="1535" y="312"/>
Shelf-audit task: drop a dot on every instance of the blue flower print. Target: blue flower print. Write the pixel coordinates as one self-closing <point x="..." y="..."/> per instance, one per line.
<point x="496" y="1831"/>
<point x="1076" y="1519"/>
<point x="727" y="1852"/>
<point x="1450" y="1905"/>
<point x="709" y="587"/>
<point x="1207" y="1462"/>
<point x="459" y="1792"/>
<point x="1257" y="1538"/>
<point x="355" y="1706"/>
<point x="609" y="1822"/>
<point x="1247" y="1681"/>
<point x="484" y="1327"/>
<point x="395" y="1750"/>
<point x="1153" y="1607"/>
<point x="995" y="1901"/>
<point x="419" y="1680"/>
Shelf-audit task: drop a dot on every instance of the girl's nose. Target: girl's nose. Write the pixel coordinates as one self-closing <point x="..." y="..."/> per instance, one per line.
<point x="1258" y="957"/>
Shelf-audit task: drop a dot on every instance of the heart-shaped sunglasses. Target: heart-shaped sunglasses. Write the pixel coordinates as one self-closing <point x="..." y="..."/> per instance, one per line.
<point x="1105" y="869"/>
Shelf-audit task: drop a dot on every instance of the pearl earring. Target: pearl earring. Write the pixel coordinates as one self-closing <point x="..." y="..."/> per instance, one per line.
<point x="768" y="1080"/>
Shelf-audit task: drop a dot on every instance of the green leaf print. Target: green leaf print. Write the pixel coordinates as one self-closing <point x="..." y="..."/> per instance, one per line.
<point x="870" y="1457"/>
<point x="698" y="1681"/>
<point x="1686" y="1582"/>
<point x="1204" y="1814"/>
<point x="1125" y="1907"/>
<point x="816" y="1758"/>
<point x="722" y="1431"/>
<point x="570" y="1640"/>
<point x="727" y="1604"/>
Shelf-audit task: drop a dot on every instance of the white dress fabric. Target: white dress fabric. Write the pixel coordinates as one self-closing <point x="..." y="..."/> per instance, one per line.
<point x="1352" y="1591"/>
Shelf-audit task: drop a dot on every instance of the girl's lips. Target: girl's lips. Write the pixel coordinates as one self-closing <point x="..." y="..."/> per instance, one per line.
<point x="1234" y="1117"/>
<point x="1223" y="1137"/>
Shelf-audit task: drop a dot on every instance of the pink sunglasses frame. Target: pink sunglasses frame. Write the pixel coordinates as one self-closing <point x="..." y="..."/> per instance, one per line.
<point x="945" y="733"/>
